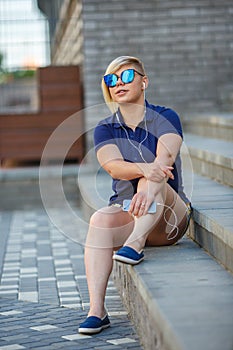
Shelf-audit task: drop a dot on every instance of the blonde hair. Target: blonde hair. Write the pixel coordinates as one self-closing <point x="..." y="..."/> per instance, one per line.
<point x="116" y="64"/>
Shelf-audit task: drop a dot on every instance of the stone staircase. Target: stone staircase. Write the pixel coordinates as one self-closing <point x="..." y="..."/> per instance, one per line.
<point x="181" y="297"/>
<point x="212" y="160"/>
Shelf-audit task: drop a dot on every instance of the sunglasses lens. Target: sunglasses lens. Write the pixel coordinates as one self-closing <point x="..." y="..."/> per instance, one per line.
<point x="127" y="76"/>
<point x="110" y="80"/>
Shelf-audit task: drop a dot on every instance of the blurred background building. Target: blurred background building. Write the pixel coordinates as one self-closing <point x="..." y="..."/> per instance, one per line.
<point x="187" y="46"/>
<point x="24" y="46"/>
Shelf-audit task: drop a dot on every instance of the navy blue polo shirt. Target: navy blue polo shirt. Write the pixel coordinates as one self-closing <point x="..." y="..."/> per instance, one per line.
<point x="139" y="145"/>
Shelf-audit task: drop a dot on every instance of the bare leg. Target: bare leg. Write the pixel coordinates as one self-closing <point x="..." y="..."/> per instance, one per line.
<point x="109" y="228"/>
<point x="165" y="226"/>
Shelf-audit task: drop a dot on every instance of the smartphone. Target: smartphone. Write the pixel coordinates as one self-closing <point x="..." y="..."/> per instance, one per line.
<point x="126" y="205"/>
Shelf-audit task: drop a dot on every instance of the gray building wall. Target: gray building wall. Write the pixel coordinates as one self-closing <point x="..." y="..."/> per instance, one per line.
<point x="187" y="48"/>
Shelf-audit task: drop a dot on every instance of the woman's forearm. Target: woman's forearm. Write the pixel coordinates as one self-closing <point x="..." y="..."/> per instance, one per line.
<point x="150" y="187"/>
<point x="123" y="170"/>
<point x="120" y="169"/>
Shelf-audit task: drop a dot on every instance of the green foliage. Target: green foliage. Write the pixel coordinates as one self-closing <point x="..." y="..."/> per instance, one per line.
<point x="18" y="74"/>
<point x="6" y="76"/>
<point x="1" y="60"/>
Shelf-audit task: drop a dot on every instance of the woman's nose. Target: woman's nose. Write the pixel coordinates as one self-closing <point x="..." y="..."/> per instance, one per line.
<point x="119" y="81"/>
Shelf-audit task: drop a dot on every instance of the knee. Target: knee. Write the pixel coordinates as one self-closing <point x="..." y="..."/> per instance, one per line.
<point x="102" y="220"/>
<point x="100" y="233"/>
<point x="96" y="219"/>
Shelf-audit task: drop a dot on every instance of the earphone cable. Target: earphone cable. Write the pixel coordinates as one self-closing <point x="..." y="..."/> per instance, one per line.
<point x="139" y="149"/>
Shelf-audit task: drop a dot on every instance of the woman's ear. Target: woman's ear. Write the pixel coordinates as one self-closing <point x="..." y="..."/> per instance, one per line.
<point x="145" y="83"/>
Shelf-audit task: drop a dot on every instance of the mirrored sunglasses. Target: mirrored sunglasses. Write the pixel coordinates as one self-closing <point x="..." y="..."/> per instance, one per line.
<point x="127" y="76"/>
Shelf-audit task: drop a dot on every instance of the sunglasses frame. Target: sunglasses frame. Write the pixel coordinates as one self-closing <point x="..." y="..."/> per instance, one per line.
<point x="117" y="76"/>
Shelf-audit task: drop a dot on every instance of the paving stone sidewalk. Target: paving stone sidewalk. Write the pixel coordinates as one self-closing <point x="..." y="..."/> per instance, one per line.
<point x="43" y="289"/>
<point x="26" y="325"/>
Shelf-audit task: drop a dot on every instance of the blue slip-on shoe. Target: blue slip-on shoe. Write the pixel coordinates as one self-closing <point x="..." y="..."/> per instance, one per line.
<point x="128" y="255"/>
<point x="94" y="325"/>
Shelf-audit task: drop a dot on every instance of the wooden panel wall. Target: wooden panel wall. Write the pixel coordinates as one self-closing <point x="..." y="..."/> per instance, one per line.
<point x="24" y="136"/>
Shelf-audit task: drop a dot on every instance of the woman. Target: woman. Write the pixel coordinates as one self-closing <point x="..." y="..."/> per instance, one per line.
<point x="138" y="145"/>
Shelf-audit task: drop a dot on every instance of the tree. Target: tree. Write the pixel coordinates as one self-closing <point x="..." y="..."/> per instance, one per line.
<point x="1" y="60"/>
<point x="2" y="72"/>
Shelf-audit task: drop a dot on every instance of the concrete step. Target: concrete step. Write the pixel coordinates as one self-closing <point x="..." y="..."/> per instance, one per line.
<point x="211" y="157"/>
<point x="212" y="223"/>
<point x="219" y="126"/>
<point x="179" y="297"/>
<point x="95" y="189"/>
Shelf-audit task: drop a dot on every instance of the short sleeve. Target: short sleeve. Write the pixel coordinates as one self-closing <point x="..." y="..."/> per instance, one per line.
<point x="103" y="135"/>
<point x="169" y="123"/>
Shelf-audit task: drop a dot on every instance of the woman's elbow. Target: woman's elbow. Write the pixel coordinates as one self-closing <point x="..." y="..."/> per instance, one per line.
<point x="112" y="171"/>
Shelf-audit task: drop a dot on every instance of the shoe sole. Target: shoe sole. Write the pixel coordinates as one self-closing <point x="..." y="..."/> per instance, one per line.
<point x="127" y="260"/>
<point x="93" y="330"/>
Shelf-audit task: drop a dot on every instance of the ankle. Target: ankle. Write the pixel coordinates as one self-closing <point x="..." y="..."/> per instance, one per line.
<point x="97" y="312"/>
<point x="135" y="245"/>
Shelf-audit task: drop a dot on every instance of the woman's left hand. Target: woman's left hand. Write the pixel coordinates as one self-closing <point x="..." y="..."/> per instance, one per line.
<point x="140" y="203"/>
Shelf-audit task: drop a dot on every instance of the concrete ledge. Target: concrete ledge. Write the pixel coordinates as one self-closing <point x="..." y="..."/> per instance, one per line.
<point x="178" y="298"/>
<point x="95" y="189"/>
<point x="32" y="173"/>
<point x="151" y="324"/>
<point x="209" y="125"/>
<point x="212" y="224"/>
<point x="211" y="157"/>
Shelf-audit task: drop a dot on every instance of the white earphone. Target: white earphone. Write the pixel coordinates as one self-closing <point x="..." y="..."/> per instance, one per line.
<point x="144" y="85"/>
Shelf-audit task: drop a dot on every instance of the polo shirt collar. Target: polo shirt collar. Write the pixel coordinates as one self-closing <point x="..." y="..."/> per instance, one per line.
<point x="148" y="116"/>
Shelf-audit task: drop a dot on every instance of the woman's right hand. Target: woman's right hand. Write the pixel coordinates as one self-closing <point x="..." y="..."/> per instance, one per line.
<point x="156" y="171"/>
